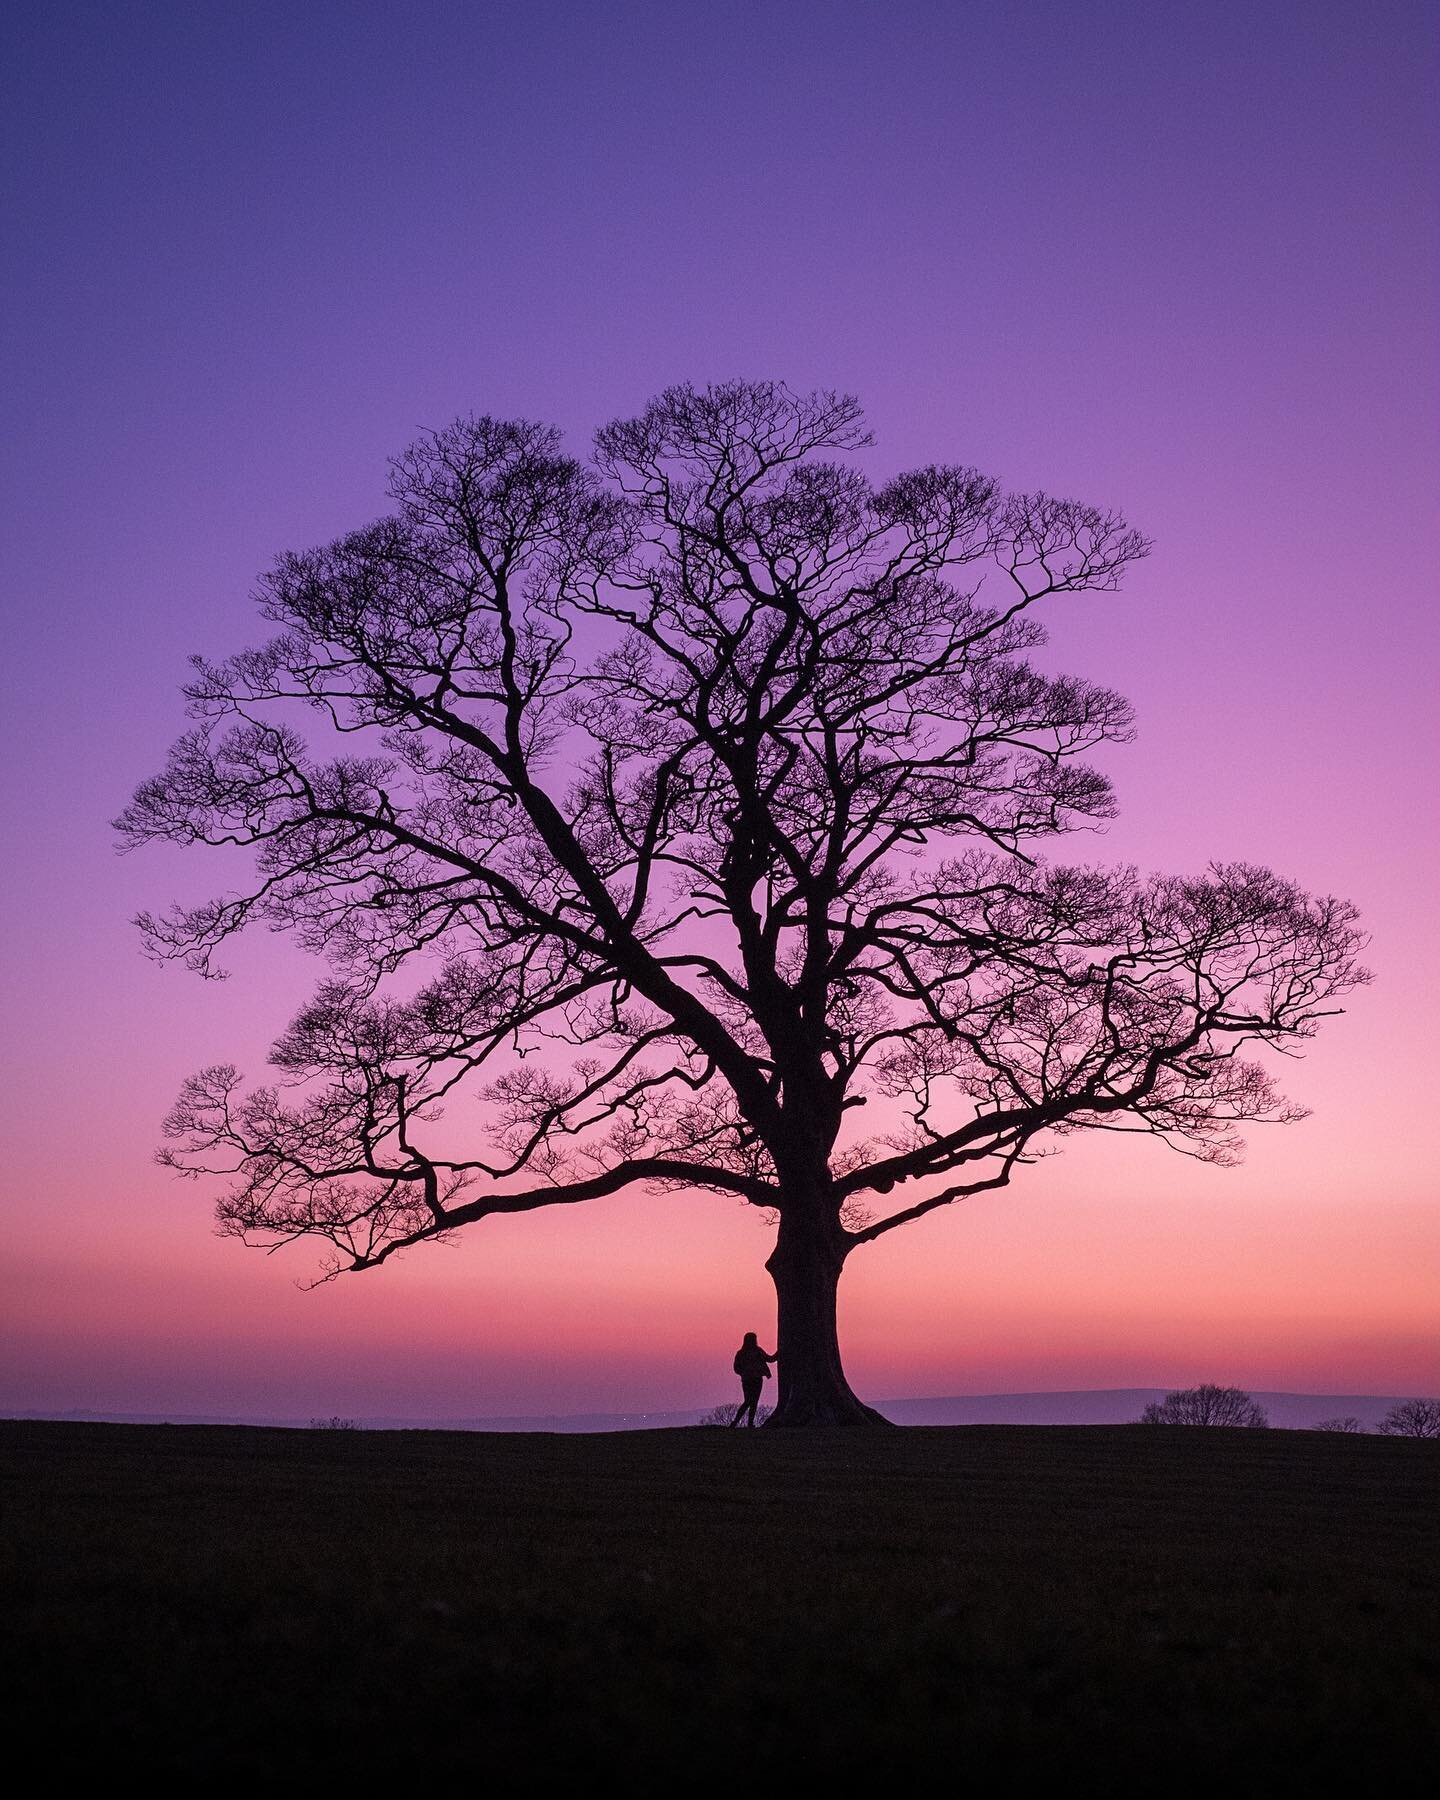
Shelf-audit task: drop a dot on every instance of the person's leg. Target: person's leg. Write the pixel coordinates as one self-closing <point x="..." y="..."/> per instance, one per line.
<point x="739" y="1415"/>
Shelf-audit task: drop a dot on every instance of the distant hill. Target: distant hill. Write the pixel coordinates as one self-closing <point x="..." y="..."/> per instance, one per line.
<point x="1116" y="1406"/>
<point x="1099" y="1406"/>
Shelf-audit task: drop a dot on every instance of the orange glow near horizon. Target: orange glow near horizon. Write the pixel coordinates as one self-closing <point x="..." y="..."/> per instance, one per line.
<point x="1312" y="1267"/>
<point x="1112" y="1266"/>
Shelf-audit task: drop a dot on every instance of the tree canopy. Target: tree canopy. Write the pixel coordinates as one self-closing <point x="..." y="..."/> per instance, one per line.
<point x="688" y="808"/>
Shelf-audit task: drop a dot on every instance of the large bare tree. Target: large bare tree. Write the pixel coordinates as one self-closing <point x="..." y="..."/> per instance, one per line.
<point x="691" y="819"/>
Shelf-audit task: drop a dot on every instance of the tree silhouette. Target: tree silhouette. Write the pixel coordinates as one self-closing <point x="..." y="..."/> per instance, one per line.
<point x="1206" y="1405"/>
<point x="1412" y="1418"/>
<point x="693" y="817"/>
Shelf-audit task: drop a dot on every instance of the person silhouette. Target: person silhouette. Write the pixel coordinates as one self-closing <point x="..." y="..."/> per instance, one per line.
<point x="752" y="1365"/>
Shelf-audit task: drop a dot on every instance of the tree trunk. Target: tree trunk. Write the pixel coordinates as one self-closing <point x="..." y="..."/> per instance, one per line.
<point x="805" y="1267"/>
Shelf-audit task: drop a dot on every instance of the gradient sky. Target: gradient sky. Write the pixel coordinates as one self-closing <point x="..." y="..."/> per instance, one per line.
<point x="1178" y="259"/>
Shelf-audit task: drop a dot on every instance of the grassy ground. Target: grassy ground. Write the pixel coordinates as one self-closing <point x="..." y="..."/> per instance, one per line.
<point x="1113" y="1609"/>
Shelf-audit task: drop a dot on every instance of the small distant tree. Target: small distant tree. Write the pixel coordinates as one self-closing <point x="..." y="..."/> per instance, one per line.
<point x="1348" y="1423"/>
<point x="334" y="1423"/>
<point x="685" y="810"/>
<point x="725" y="1414"/>
<point x="1205" y="1405"/>
<point x="1412" y="1418"/>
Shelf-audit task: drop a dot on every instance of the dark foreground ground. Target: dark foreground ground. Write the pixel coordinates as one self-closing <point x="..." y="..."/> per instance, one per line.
<point x="1112" y="1609"/>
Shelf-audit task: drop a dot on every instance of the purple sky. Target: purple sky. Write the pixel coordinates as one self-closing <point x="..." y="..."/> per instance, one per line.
<point x="1176" y="259"/>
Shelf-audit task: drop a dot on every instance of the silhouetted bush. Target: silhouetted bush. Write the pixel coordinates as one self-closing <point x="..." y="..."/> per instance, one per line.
<point x="1205" y="1405"/>
<point x="334" y="1423"/>
<point x="722" y="1415"/>
<point x="1412" y="1418"/>
<point x="1348" y="1423"/>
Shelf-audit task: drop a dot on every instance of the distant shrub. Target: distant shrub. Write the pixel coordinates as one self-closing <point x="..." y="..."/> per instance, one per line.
<point x="1348" y="1423"/>
<point x="722" y="1415"/>
<point x="1412" y="1418"/>
<point x="334" y="1423"/>
<point x="1205" y="1405"/>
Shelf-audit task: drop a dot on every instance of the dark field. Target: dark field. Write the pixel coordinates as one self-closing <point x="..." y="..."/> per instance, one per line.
<point x="1107" y="1608"/>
